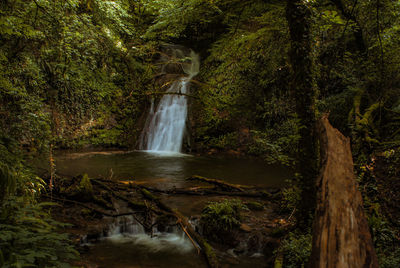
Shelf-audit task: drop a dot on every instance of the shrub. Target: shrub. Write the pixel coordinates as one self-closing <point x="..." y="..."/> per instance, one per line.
<point x="29" y="238"/>
<point x="219" y="219"/>
<point x="296" y="250"/>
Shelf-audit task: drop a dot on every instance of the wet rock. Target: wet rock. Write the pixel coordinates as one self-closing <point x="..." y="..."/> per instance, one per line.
<point x="241" y="248"/>
<point x="245" y="228"/>
<point x="254" y="243"/>
<point x="229" y="258"/>
<point x="195" y="222"/>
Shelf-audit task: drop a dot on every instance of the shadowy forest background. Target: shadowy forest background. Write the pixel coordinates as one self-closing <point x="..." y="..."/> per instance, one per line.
<point x="80" y="73"/>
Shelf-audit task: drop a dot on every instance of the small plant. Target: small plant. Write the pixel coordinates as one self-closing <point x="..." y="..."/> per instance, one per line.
<point x="296" y="249"/>
<point x="29" y="237"/>
<point x="291" y="198"/>
<point x="85" y="186"/>
<point x="389" y="258"/>
<point x="220" y="218"/>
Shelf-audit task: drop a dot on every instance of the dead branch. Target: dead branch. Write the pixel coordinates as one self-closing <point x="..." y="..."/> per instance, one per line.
<point x="133" y="205"/>
<point x="220" y="183"/>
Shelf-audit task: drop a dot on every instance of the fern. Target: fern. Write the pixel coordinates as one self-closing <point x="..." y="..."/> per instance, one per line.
<point x="29" y="237"/>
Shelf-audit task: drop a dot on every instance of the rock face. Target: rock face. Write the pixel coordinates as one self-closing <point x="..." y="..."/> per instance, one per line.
<point x="341" y="235"/>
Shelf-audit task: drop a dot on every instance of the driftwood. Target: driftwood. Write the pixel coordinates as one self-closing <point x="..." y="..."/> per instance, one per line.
<point x="207" y="250"/>
<point x="200" y="191"/>
<point x="131" y="204"/>
<point x="220" y="183"/>
<point x="341" y="235"/>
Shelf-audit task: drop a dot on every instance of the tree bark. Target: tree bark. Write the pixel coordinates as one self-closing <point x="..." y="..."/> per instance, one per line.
<point x="341" y="235"/>
<point x="303" y="92"/>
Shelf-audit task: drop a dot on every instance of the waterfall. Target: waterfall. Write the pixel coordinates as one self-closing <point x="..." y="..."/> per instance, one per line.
<point x="165" y="126"/>
<point x="127" y="230"/>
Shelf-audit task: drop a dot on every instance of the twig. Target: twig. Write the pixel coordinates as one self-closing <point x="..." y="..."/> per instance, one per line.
<point x="291" y="214"/>
<point x="188" y="235"/>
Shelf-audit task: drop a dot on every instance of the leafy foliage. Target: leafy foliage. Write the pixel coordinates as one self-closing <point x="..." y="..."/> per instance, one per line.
<point x="296" y="249"/>
<point x="75" y="73"/>
<point x="220" y="218"/>
<point x="68" y="65"/>
<point x="28" y="237"/>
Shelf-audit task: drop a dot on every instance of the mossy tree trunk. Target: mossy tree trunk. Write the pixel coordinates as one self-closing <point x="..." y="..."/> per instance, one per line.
<point x="302" y="89"/>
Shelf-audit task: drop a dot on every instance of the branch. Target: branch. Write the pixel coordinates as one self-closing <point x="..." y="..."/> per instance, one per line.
<point x="171" y="93"/>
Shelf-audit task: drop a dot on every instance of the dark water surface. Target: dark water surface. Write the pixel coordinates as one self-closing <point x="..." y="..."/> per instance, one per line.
<point x="169" y="169"/>
<point x="164" y="171"/>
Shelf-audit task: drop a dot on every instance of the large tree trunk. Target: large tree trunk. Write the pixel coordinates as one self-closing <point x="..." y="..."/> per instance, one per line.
<point x="303" y="92"/>
<point x="341" y="235"/>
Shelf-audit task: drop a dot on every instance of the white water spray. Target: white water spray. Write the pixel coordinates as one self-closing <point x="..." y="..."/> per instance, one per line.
<point x="127" y="230"/>
<point x="165" y="127"/>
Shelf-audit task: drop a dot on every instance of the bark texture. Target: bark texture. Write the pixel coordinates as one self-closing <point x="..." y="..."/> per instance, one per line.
<point x="341" y="235"/>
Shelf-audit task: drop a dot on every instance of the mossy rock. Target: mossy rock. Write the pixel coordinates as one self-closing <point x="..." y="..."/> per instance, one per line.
<point x="81" y="190"/>
<point x="86" y="212"/>
<point x="85" y="185"/>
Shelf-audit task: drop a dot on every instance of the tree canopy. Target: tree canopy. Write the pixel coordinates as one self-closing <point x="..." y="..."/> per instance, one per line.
<point x="82" y="73"/>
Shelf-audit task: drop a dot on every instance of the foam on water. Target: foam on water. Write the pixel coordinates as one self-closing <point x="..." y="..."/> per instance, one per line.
<point x="127" y="230"/>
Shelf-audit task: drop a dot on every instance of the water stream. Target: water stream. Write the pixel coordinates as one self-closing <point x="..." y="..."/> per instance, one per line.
<point x="126" y="244"/>
<point x="165" y="126"/>
<point x="160" y="164"/>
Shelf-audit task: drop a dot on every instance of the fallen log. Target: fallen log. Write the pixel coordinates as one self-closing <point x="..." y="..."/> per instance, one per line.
<point x="98" y="211"/>
<point x="341" y="237"/>
<point x="220" y="183"/>
<point x="207" y="250"/>
<point x="131" y="204"/>
<point x="209" y="191"/>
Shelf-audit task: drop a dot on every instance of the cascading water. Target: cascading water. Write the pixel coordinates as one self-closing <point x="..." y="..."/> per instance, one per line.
<point x="165" y="126"/>
<point x="127" y="230"/>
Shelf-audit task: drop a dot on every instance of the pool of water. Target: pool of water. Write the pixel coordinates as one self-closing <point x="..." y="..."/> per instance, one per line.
<point x="168" y="169"/>
<point x="163" y="170"/>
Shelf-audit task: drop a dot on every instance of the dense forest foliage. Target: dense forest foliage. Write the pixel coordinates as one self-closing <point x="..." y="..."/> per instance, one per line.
<point x="80" y="74"/>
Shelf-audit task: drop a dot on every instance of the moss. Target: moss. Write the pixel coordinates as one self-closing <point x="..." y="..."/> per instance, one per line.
<point x="148" y="195"/>
<point x="210" y="254"/>
<point x="85" y="186"/>
<point x="86" y="211"/>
